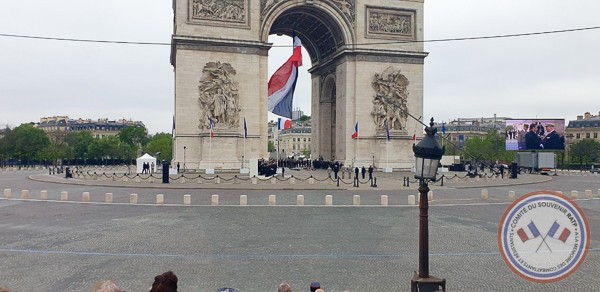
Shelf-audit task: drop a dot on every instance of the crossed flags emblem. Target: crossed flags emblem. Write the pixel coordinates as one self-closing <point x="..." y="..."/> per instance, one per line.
<point x="552" y="233"/>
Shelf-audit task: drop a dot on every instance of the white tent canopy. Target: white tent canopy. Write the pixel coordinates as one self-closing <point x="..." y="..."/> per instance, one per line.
<point x="146" y="158"/>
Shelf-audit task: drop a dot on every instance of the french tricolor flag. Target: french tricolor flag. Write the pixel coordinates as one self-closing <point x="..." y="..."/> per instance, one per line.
<point x="563" y="235"/>
<point x="355" y="133"/>
<point x="284" y="124"/>
<point x="283" y="83"/>
<point x="534" y="232"/>
<point x="211" y="125"/>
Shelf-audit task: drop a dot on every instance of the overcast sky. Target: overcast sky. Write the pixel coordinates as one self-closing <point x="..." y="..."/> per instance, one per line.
<point x="543" y="76"/>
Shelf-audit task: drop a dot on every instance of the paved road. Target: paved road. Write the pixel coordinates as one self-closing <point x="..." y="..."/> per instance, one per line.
<point x="54" y="246"/>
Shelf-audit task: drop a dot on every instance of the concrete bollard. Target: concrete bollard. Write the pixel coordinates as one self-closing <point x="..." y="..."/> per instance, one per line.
<point x="300" y="200"/>
<point x="108" y="198"/>
<point x="217" y="180"/>
<point x="292" y="180"/>
<point x="328" y="200"/>
<point x="187" y="200"/>
<point x="384" y="200"/>
<point x="412" y="200"/>
<point x="199" y="181"/>
<point x="273" y="180"/>
<point x="254" y="180"/>
<point x="311" y="180"/>
<point x="430" y="196"/>
<point x="160" y="199"/>
<point x="138" y="179"/>
<point x="85" y="197"/>
<point x="574" y="195"/>
<point x="214" y="200"/>
<point x="64" y="196"/>
<point x="588" y="194"/>
<point x="511" y="195"/>
<point x="484" y="194"/>
<point x="44" y="195"/>
<point x="356" y="200"/>
<point x="272" y="200"/>
<point x="7" y="193"/>
<point x="24" y="194"/>
<point x="182" y="180"/>
<point x="243" y="200"/>
<point x="150" y="179"/>
<point x="133" y="198"/>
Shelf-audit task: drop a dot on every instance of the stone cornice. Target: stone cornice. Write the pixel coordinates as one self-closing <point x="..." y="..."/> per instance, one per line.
<point x="217" y="45"/>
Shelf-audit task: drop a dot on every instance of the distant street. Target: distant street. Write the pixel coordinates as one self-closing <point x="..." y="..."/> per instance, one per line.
<point x="67" y="246"/>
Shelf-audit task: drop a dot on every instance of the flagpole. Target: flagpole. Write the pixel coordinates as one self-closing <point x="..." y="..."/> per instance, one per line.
<point x="210" y="151"/>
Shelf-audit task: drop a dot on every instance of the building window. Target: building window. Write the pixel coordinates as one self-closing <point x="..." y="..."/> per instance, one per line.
<point x="587" y="135"/>
<point x="595" y="135"/>
<point x="578" y="136"/>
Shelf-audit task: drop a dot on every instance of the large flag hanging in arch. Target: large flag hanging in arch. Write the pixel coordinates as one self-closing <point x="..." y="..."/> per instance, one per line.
<point x="283" y="83"/>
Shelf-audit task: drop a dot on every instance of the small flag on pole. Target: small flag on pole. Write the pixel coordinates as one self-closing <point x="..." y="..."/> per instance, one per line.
<point x="245" y="130"/>
<point x="284" y="124"/>
<point x="444" y="128"/>
<point x="211" y="125"/>
<point x="414" y="137"/>
<point x="355" y="133"/>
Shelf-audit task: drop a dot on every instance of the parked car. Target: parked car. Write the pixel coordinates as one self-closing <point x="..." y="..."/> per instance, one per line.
<point x="596" y="170"/>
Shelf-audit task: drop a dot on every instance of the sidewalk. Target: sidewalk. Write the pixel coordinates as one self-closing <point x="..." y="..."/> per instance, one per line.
<point x="300" y="180"/>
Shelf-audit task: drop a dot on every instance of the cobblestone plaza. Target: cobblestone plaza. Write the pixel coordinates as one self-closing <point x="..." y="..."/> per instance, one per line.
<point x="67" y="246"/>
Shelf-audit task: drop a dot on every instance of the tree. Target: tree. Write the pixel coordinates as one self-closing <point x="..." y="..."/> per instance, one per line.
<point x="25" y="142"/>
<point x="584" y="152"/>
<point x="78" y="144"/>
<point x="134" y="136"/>
<point x="304" y="118"/>
<point x="163" y="143"/>
<point x="490" y="148"/>
<point x="271" y="146"/>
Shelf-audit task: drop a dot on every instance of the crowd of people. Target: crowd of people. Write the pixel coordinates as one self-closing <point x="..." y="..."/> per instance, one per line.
<point x="167" y="282"/>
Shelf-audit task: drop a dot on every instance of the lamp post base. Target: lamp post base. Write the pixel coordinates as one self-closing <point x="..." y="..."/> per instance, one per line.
<point x="430" y="284"/>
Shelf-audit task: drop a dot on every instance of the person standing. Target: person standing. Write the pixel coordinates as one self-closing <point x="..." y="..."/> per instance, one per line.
<point x="370" y="172"/>
<point x="552" y="141"/>
<point x="363" y="171"/>
<point x="532" y="140"/>
<point x="283" y="171"/>
<point x="177" y="167"/>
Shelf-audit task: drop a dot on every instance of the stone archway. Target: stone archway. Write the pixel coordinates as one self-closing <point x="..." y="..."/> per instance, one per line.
<point x="359" y="52"/>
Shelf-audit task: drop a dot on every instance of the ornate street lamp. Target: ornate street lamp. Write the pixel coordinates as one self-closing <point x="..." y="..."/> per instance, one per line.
<point x="428" y="154"/>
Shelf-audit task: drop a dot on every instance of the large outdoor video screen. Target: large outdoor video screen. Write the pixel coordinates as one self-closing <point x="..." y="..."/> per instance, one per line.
<point x="535" y="134"/>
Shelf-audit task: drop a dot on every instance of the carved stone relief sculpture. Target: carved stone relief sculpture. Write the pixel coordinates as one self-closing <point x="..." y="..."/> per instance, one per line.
<point x="221" y="10"/>
<point x="390" y="23"/>
<point x="218" y="96"/>
<point x="390" y="100"/>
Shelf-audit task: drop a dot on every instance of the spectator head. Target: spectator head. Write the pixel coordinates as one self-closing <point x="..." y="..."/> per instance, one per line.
<point x="319" y="290"/>
<point x="103" y="286"/>
<point x="284" y="287"/>
<point x="165" y="282"/>
<point x="314" y="286"/>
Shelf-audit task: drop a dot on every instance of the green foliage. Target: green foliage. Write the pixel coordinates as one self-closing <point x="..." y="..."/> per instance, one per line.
<point x="134" y="136"/>
<point x="490" y="148"/>
<point x="163" y="143"/>
<point x="304" y="118"/>
<point x="585" y="151"/>
<point x="25" y="142"/>
<point x="271" y="146"/>
<point x="78" y="144"/>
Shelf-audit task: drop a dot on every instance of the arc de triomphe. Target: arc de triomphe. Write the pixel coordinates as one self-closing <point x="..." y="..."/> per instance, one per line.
<point x="367" y="67"/>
